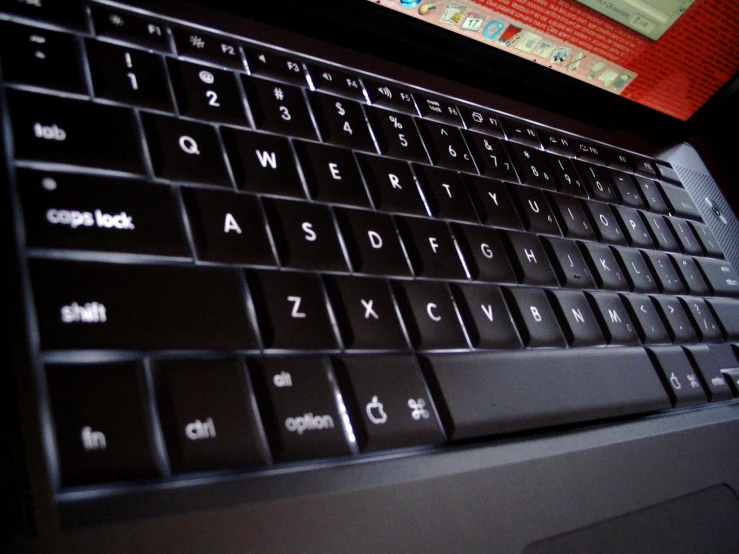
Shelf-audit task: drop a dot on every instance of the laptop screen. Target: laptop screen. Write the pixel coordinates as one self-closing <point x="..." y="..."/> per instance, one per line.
<point x="669" y="55"/>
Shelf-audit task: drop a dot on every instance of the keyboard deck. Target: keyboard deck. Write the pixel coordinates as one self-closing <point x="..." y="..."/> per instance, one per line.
<point x="239" y="257"/>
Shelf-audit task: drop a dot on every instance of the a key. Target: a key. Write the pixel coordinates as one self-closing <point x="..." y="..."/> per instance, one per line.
<point x="535" y="210"/>
<point x="305" y="235"/>
<point x="445" y="194"/>
<point x="705" y="323"/>
<point x="646" y="168"/>
<point x="521" y="132"/>
<point x="298" y="407"/>
<point x="529" y="259"/>
<point x="65" y="14"/>
<point x="207" y="420"/>
<point x="571" y="217"/>
<point x="365" y="312"/>
<point x="627" y="190"/>
<point x="618" y="327"/>
<point x="438" y="110"/>
<point x="637" y="271"/>
<point x="636" y="230"/>
<point x="680" y="202"/>
<point x="568" y="179"/>
<point x="336" y="81"/>
<point x="262" y="163"/>
<point x="42" y="58"/>
<point x="390" y="96"/>
<point x="128" y="75"/>
<point x="51" y="129"/>
<point x="708" y="362"/>
<point x="227" y="227"/>
<point x="128" y="27"/>
<point x="486" y="316"/>
<point x="643" y="312"/>
<point x="667" y="276"/>
<point x="446" y="146"/>
<point x="279" y="108"/>
<point x="206" y="93"/>
<point x="372" y="242"/>
<point x="620" y="161"/>
<point x="211" y="48"/>
<point x="599" y="180"/>
<point x="396" y="135"/>
<point x="184" y="150"/>
<point x="83" y="212"/>
<point x="291" y="310"/>
<point x="534" y="317"/>
<point x="569" y="263"/>
<point x="391" y="185"/>
<point x="678" y="376"/>
<point x="667" y="173"/>
<point x="533" y="166"/>
<point x="331" y="174"/>
<point x="707" y="239"/>
<point x="490" y="157"/>
<point x="685" y="236"/>
<point x="605" y="222"/>
<point x="661" y="231"/>
<point x="588" y="152"/>
<point x="269" y="64"/>
<point x="605" y="268"/>
<point x="651" y="193"/>
<point x="430" y="248"/>
<point x="578" y="320"/>
<point x="429" y="315"/>
<point x="557" y="144"/>
<point x="481" y="121"/>
<point x="677" y="322"/>
<point x="101" y="422"/>
<point x="341" y="122"/>
<point x="720" y="275"/>
<point x="390" y="406"/>
<point x="82" y="305"/>
<point x="493" y="203"/>
<point x="691" y="275"/>
<point x="484" y="253"/>
<point x="727" y="313"/>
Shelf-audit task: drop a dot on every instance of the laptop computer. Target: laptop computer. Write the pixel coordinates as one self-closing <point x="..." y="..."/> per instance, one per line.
<point x="369" y="276"/>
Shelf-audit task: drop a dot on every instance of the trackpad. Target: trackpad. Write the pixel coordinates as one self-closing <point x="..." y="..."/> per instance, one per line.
<point x="706" y="521"/>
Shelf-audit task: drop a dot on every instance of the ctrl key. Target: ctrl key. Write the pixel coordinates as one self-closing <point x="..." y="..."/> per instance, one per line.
<point x="101" y="423"/>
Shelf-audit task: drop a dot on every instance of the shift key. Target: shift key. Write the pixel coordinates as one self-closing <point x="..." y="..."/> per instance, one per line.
<point x="82" y="305"/>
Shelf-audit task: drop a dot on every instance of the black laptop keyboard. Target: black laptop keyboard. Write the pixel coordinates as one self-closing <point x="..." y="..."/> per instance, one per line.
<point x="238" y="257"/>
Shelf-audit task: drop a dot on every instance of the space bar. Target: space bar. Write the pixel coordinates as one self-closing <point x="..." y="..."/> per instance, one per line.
<point x="502" y="392"/>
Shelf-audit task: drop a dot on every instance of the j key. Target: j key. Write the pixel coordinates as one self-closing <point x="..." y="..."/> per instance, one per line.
<point x="557" y="144"/>
<point x="484" y="252"/>
<point x="606" y="224"/>
<point x="535" y="210"/>
<point x="680" y="202"/>
<point x="691" y="275"/>
<point x="184" y="150"/>
<point x="390" y="406"/>
<point x="661" y="231"/>
<point x="390" y="96"/>
<point x="65" y="14"/>
<point x="262" y="163"/>
<point x="51" y="129"/>
<point x="128" y="75"/>
<point x="446" y="146"/>
<point x="331" y="174"/>
<point x="341" y="122"/>
<point x="599" y="180"/>
<point x="577" y="318"/>
<point x="571" y="217"/>
<point x="481" y="121"/>
<point x="372" y="242"/>
<point x="429" y="315"/>
<point x="206" y="93"/>
<point x="391" y="185"/>
<point x="636" y="230"/>
<point x="127" y="27"/>
<point x="685" y="236"/>
<point x="493" y="203"/>
<point x="487" y="319"/>
<point x="291" y="310"/>
<point x="533" y="166"/>
<point x="445" y="193"/>
<point x="708" y="329"/>
<point x="676" y="320"/>
<point x="529" y="258"/>
<point x="637" y="270"/>
<point x="227" y="227"/>
<point x="207" y="420"/>
<point x="430" y="248"/>
<point x="104" y="306"/>
<point x="396" y="135"/>
<point x="438" y="110"/>
<point x="646" y="168"/>
<point x="211" y="48"/>
<point x="305" y="235"/>
<point x="581" y="385"/>
<point x="678" y="375"/>
<point x="534" y="317"/>
<point x="721" y="276"/>
<point x="298" y="406"/>
<point x="521" y="132"/>
<point x="490" y="157"/>
<point x="365" y="312"/>
<point x="62" y="210"/>
<point x="568" y="179"/>
<point x="627" y="190"/>
<point x="41" y="58"/>
<point x="605" y="268"/>
<point x="569" y="264"/>
<point x="335" y="81"/>
<point x="669" y="280"/>
<point x="643" y="311"/>
<point x="618" y="327"/>
<point x="728" y="315"/>
<point x="620" y="161"/>
<point x="708" y="361"/>
<point x="707" y="239"/>
<point x="278" y="108"/>
<point x="266" y="63"/>
<point x="101" y="422"/>
<point x="650" y="192"/>
<point x="588" y="152"/>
